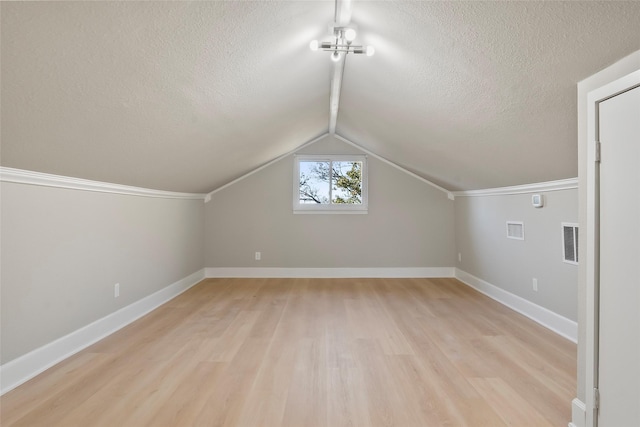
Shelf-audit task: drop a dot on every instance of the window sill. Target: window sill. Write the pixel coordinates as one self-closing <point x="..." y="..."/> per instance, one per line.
<point x="330" y="212"/>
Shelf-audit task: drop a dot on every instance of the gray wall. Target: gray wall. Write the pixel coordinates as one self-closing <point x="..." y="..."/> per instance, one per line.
<point x="409" y="224"/>
<point x="512" y="264"/>
<point x="63" y="250"/>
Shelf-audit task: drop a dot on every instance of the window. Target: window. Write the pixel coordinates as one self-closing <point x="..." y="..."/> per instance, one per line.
<point x="570" y="243"/>
<point x="515" y="230"/>
<point x="330" y="184"/>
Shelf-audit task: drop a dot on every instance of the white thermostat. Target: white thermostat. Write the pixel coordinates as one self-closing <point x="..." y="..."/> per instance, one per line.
<point x="537" y="200"/>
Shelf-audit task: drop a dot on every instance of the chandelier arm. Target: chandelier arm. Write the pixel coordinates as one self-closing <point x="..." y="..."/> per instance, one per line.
<point x="348" y="49"/>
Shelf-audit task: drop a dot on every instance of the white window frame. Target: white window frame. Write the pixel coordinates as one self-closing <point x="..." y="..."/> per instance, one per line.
<point x="331" y="208"/>
<point x="576" y="230"/>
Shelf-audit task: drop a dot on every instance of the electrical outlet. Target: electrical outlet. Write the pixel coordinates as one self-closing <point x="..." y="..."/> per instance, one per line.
<point x="116" y="290"/>
<point x="535" y="284"/>
<point x="258" y="256"/>
<point x="459" y="257"/>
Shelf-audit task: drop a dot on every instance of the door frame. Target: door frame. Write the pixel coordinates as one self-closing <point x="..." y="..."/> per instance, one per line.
<point x="592" y="256"/>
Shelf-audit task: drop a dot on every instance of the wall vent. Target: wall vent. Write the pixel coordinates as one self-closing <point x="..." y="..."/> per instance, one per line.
<point x="570" y="242"/>
<point x="515" y="230"/>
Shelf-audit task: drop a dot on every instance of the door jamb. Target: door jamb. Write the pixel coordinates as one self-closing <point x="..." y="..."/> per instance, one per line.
<point x="592" y="258"/>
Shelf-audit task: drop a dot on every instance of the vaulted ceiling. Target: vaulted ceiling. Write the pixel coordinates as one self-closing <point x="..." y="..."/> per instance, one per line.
<point x="187" y="96"/>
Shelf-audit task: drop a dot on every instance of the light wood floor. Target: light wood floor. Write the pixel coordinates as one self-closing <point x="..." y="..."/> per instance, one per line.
<point x="312" y="352"/>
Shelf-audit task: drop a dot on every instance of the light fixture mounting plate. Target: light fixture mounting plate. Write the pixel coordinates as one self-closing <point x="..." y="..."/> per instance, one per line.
<point x="335" y="28"/>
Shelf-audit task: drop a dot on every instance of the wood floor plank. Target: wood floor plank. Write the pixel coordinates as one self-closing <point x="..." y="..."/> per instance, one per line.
<point x="513" y="409"/>
<point x="313" y="353"/>
<point x="23" y="400"/>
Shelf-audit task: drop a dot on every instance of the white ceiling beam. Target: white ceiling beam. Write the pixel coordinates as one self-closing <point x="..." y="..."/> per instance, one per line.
<point x="334" y="96"/>
<point x="343" y="12"/>
<point x="342" y="18"/>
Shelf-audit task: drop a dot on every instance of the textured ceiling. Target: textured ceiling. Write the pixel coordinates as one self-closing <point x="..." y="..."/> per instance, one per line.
<point x="188" y="96"/>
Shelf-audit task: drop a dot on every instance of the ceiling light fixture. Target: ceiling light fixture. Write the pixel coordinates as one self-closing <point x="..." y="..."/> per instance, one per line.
<point x="344" y="37"/>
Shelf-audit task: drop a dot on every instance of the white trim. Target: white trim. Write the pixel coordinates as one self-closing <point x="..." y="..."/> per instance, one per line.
<point x="578" y="413"/>
<point x="329" y="211"/>
<point x="400" y="168"/>
<point x="25" y="367"/>
<point x="547" y="318"/>
<point x="266" y="165"/>
<point x="563" y="184"/>
<point x="591" y="259"/>
<point x="20" y="176"/>
<point x="278" y="272"/>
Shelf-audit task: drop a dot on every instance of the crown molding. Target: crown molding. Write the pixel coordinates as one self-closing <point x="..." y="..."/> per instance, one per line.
<point x="563" y="184"/>
<point x="20" y="176"/>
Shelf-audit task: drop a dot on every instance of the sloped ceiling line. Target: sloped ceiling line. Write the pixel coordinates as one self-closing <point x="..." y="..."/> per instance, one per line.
<point x="449" y="194"/>
<point x="395" y="165"/>
<point x="208" y="197"/>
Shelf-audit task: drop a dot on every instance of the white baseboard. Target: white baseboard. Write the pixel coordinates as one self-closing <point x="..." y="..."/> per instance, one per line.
<point x="22" y="369"/>
<point x="276" y="272"/>
<point x="547" y="318"/>
<point x="578" y="413"/>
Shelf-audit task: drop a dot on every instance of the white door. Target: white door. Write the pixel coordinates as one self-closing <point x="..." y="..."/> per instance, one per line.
<point x="619" y="318"/>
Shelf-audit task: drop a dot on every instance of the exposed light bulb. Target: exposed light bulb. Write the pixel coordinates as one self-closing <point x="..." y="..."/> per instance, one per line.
<point x="350" y="34"/>
<point x="335" y="56"/>
<point x="370" y="50"/>
<point x="313" y="45"/>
